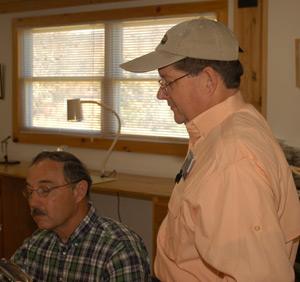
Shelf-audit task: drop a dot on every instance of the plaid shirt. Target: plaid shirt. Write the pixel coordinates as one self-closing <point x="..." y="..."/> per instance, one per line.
<point x="99" y="249"/>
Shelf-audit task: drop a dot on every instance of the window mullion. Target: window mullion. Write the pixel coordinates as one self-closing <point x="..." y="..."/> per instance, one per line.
<point x="109" y="95"/>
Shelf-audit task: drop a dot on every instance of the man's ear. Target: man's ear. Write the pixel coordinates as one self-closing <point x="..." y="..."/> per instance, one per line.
<point x="80" y="190"/>
<point x="211" y="80"/>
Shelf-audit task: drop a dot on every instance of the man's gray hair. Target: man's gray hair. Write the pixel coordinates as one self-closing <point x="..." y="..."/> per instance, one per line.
<point x="74" y="170"/>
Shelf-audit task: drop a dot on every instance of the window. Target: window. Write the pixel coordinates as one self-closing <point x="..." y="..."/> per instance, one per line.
<point x="56" y="64"/>
<point x="81" y="60"/>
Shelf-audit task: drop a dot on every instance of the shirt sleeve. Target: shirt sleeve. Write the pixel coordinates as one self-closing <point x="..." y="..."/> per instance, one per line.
<point x="237" y="229"/>
<point x="128" y="263"/>
<point x="3" y="279"/>
<point x="20" y="254"/>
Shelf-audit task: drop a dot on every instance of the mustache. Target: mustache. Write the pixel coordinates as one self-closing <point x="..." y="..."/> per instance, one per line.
<point x="37" y="211"/>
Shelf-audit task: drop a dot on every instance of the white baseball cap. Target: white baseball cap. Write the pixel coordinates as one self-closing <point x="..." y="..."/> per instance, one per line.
<point x="200" y="38"/>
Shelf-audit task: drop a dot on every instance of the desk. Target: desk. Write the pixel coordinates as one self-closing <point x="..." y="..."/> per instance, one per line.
<point x="16" y="223"/>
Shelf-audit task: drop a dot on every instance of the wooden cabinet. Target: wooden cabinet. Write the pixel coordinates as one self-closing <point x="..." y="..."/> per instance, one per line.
<point x="15" y="219"/>
<point x="160" y="209"/>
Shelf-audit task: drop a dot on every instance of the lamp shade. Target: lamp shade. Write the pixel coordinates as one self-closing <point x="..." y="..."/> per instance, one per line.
<point x="74" y="110"/>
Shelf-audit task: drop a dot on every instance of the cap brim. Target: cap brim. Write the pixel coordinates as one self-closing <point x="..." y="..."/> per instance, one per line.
<point x="152" y="61"/>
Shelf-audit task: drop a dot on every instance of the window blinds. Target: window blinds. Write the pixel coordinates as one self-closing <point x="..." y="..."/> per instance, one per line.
<point x="82" y="61"/>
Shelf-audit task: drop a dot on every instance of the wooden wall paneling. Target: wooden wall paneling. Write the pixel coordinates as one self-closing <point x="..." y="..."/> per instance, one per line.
<point x="264" y="84"/>
<point x="250" y="26"/>
<point x="1" y="237"/>
<point x="17" y="222"/>
<point x="160" y="210"/>
<point x="297" y="43"/>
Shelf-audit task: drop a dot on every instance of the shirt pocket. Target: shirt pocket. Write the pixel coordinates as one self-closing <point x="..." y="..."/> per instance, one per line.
<point x="176" y="199"/>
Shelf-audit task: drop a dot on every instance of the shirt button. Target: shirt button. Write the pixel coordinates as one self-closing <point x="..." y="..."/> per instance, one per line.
<point x="76" y="244"/>
<point x="256" y="227"/>
<point x="64" y="253"/>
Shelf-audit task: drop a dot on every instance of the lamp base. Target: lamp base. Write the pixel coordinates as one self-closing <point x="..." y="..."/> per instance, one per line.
<point x="97" y="179"/>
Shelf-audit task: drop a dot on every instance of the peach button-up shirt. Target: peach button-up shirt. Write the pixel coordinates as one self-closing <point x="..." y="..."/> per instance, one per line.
<point x="236" y="216"/>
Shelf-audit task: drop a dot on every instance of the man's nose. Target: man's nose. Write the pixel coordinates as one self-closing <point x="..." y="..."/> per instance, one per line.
<point x="160" y="94"/>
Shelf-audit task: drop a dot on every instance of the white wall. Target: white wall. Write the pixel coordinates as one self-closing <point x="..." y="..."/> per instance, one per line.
<point x="283" y="108"/>
<point x="283" y="112"/>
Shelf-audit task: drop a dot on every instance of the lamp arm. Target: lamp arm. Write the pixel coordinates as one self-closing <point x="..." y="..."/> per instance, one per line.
<point x="117" y="135"/>
<point x="295" y="169"/>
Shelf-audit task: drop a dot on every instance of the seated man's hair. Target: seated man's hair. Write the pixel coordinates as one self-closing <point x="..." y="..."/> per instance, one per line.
<point x="74" y="170"/>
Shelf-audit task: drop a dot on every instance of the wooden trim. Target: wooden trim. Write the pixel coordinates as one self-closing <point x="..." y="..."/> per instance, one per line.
<point x="101" y="143"/>
<point x="250" y="26"/>
<point x="16" y="114"/>
<point x="1" y="218"/>
<point x="264" y="85"/>
<point x="13" y="6"/>
<point x="218" y="7"/>
<point x="297" y="55"/>
<point x="160" y="210"/>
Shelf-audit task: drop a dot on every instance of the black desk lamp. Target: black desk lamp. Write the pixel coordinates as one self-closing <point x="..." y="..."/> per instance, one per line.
<point x="4" y="143"/>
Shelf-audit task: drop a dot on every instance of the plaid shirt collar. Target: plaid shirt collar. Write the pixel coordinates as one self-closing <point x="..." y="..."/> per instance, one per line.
<point x="81" y="230"/>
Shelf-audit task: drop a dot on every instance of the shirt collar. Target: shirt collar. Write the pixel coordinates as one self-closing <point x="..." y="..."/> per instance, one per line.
<point x="83" y="228"/>
<point x="85" y="225"/>
<point x="201" y="125"/>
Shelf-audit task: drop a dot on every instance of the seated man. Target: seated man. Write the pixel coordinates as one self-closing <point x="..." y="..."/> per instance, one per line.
<point x="73" y="242"/>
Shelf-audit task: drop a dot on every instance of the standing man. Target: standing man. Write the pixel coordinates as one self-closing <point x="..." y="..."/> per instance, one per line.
<point x="73" y="242"/>
<point x="234" y="213"/>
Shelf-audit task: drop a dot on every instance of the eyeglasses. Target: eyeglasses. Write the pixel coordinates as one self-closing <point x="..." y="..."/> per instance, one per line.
<point x="43" y="191"/>
<point x="165" y="86"/>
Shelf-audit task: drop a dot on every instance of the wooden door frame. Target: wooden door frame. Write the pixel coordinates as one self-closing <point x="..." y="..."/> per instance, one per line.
<point x="251" y="28"/>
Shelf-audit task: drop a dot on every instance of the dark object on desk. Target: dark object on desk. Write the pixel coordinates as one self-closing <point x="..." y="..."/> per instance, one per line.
<point x="297" y="266"/>
<point x="297" y="271"/>
<point x="247" y="3"/>
<point x="13" y="272"/>
<point x="6" y="161"/>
